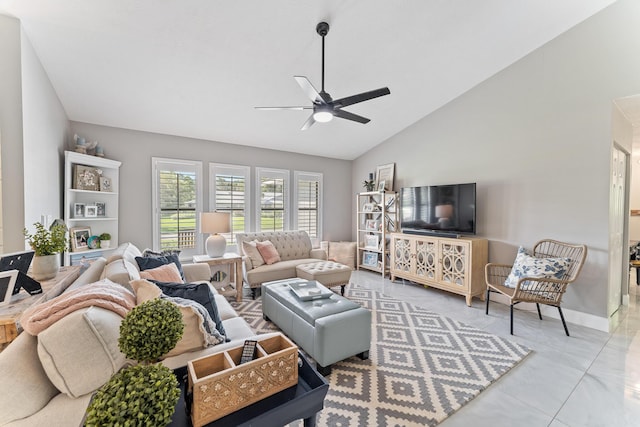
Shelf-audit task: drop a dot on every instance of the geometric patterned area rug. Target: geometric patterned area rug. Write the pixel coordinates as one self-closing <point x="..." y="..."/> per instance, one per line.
<point x="422" y="366"/>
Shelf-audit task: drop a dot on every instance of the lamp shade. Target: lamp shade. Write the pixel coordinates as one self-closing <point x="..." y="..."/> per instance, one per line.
<point x="215" y="222"/>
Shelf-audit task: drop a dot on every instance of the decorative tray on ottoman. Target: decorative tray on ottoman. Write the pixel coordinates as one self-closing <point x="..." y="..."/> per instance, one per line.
<point x="221" y="385"/>
<point x="310" y="290"/>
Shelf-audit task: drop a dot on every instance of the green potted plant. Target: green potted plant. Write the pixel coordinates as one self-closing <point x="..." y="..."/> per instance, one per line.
<point x="47" y="244"/>
<point x="145" y="394"/>
<point x="105" y="240"/>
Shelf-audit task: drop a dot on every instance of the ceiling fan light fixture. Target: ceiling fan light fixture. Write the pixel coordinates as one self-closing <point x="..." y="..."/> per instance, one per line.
<point x="323" y="116"/>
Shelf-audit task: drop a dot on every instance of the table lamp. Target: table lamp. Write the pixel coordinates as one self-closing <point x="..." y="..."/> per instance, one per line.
<point x="215" y="223"/>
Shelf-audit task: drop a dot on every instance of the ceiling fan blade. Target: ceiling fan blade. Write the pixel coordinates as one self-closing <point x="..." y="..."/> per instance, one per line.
<point x="364" y="96"/>
<point x="350" y="116"/>
<point x="284" y="108"/>
<point x="308" y="88"/>
<point x="310" y="121"/>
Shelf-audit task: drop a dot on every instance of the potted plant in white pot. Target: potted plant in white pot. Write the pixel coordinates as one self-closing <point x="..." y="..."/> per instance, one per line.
<point x="105" y="240"/>
<point x="47" y="245"/>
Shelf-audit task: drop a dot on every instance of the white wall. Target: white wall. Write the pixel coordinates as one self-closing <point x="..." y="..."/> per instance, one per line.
<point x="135" y="149"/>
<point x="45" y="131"/>
<point x="537" y="139"/>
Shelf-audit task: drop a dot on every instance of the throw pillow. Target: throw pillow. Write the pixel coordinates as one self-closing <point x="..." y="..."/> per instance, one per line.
<point x="80" y="352"/>
<point x="146" y="263"/>
<point x="526" y="265"/>
<point x="164" y="273"/>
<point x="199" y="329"/>
<point x="250" y="249"/>
<point x="199" y="292"/>
<point x="150" y="253"/>
<point x="268" y="252"/>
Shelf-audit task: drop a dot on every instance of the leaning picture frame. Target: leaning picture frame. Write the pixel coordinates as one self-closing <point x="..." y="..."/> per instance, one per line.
<point x="370" y="259"/>
<point x="79" y="238"/>
<point x="368" y="207"/>
<point x="371" y="225"/>
<point x="86" y="178"/>
<point x="8" y="281"/>
<point x="371" y="241"/>
<point x="385" y="173"/>
<point x="105" y="184"/>
<point x="382" y="185"/>
<point x="101" y="208"/>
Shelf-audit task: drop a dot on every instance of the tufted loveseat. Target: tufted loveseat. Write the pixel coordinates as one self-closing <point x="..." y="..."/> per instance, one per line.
<point x="294" y="248"/>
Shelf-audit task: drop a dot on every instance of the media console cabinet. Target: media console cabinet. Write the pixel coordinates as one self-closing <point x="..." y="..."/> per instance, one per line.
<point x="451" y="264"/>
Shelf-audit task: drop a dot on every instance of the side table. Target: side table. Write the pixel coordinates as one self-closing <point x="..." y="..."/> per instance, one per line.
<point x="11" y="313"/>
<point x="227" y="259"/>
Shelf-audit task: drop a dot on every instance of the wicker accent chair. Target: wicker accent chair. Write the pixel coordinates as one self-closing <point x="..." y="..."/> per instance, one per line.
<point x="538" y="290"/>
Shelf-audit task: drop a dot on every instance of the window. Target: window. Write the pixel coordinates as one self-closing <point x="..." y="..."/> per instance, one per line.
<point x="177" y="200"/>
<point x="272" y="190"/>
<point x="307" y="213"/>
<point x="230" y="189"/>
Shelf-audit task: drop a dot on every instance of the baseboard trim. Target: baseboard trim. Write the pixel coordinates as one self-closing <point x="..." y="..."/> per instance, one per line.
<point x="571" y="316"/>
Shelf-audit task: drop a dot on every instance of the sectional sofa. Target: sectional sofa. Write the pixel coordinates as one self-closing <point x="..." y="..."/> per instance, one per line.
<point x="48" y="379"/>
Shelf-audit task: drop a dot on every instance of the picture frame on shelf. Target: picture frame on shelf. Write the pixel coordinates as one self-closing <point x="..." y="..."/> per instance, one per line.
<point x="385" y="173"/>
<point x="381" y="185"/>
<point x="371" y="225"/>
<point x="101" y="209"/>
<point x="371" y="241"/>
<point x="90" y="211"/>
<point x="370" y="259"/>
<point x="78" y="210"/>
<point x="79" y="238"/>
<point x="105" y="184"/>
<point x="86" y="178"/>
<point x="369" y="207"/>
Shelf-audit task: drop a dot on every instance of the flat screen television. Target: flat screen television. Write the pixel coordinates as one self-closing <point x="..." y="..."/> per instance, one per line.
<point x="438" y="209"/>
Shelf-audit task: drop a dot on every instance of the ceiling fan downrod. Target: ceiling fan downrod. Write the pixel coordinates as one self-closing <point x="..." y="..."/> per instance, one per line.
<point x="323" y="29"/>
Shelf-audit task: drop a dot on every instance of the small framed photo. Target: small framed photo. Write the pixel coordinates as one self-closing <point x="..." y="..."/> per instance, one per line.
<point x="371" y="241"/>
<point x="381" y="185"/>
<point x="368" y="207"/>
<point x="371" y="225"/>
<point x="8" y="280"/>
<point x="370" y="259"/>
<point x="78" y="210"/>
<point x="90" y="211"/>
<point x="86" y="178"/>
<point x="80" y="238"/>
<point x="105" y="184"/>
<point x="101" y="208"/>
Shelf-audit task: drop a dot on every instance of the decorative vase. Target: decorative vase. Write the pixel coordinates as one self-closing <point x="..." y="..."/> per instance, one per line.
<point x="45" y="267"/>
<point x="104" y="244"/>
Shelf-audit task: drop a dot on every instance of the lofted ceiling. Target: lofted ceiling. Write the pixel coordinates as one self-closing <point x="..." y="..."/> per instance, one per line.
<point x="197" y="68"/>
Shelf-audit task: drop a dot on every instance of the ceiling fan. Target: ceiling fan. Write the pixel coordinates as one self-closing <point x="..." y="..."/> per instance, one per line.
<point x="324" y="107"/>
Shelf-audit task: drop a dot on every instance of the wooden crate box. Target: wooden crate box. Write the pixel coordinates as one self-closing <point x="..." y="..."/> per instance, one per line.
<point x="220" y="385"/>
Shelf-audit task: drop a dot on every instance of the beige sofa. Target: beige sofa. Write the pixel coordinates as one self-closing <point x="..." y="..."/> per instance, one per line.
<point x="48" y="380"/>
<point x="294" y="248"/>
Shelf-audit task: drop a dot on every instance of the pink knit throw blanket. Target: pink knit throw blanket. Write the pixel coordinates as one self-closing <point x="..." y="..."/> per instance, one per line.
<point x="105" y="294"/>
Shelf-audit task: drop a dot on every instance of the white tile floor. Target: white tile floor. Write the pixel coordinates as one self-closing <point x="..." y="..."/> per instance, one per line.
<point x="588" y="379"/>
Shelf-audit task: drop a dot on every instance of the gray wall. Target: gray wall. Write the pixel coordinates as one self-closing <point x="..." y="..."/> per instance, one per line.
<point x="11" y="128"/>
<point x="537" y="139"/>
<point x="135" y="150"/>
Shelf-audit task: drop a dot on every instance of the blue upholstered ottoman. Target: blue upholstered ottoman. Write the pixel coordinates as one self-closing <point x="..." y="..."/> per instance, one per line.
<point x="328" y="330"/>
